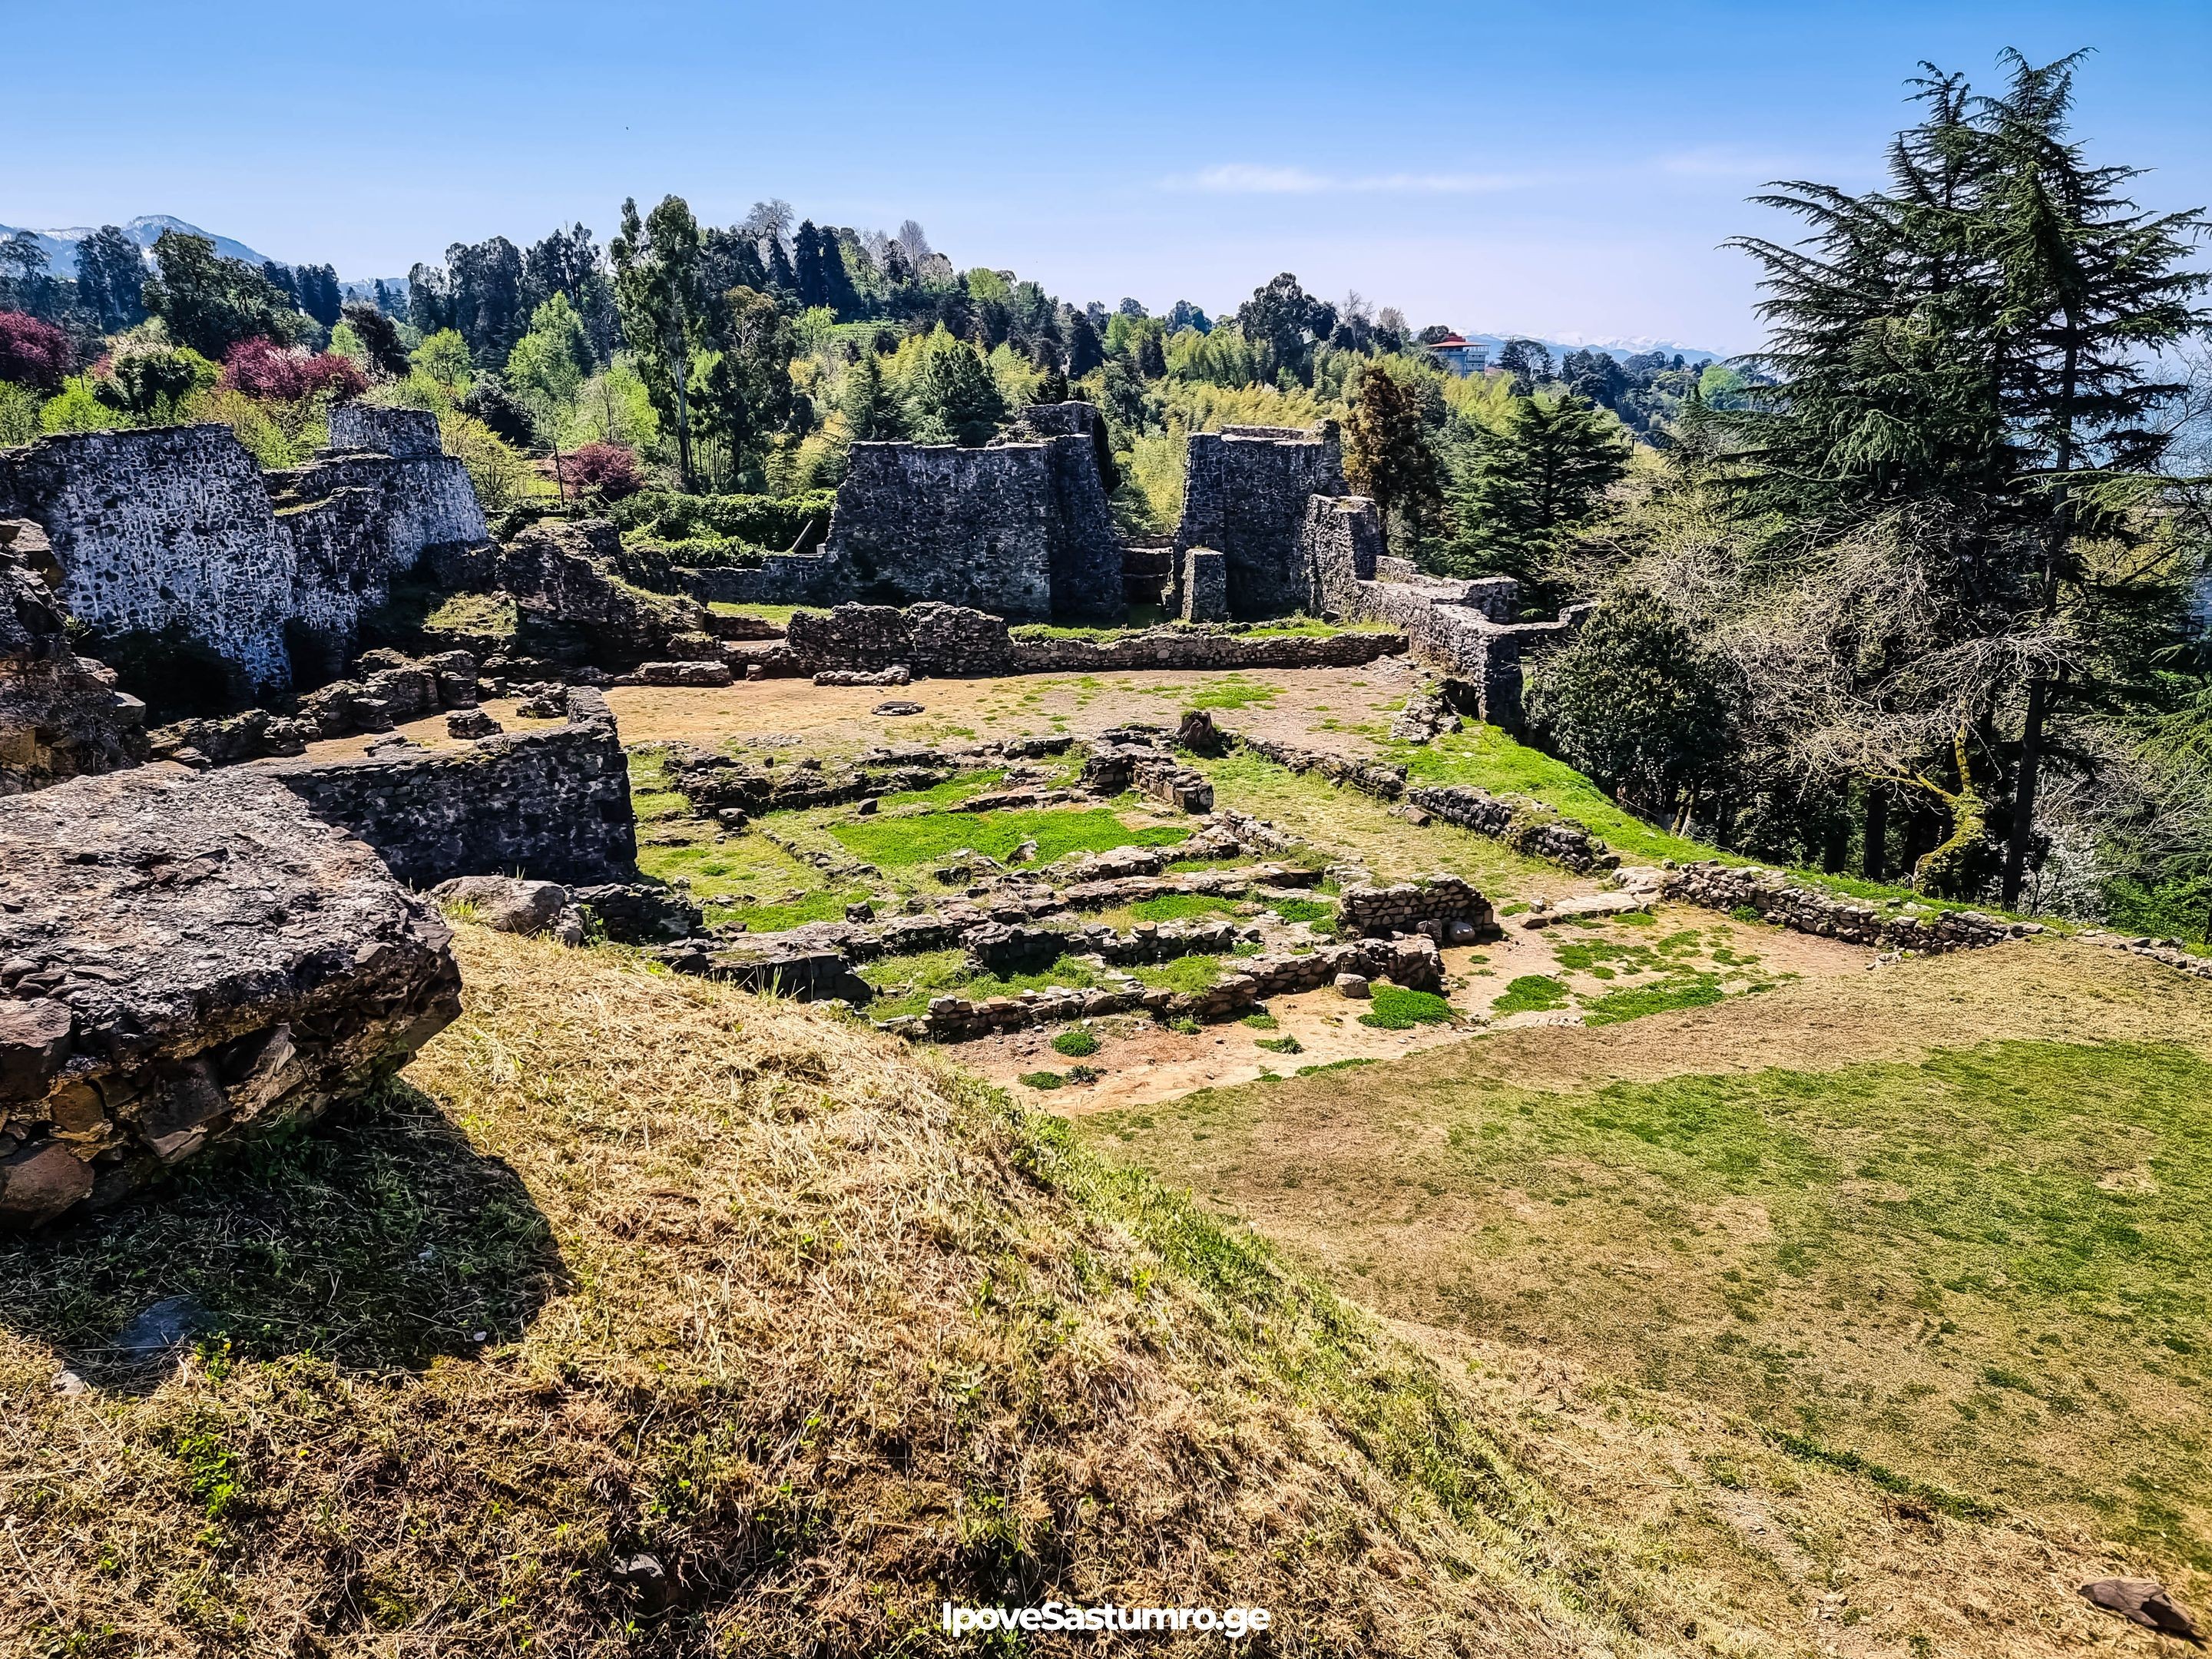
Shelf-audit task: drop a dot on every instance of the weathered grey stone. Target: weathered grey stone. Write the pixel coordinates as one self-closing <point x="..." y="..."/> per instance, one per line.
<point x="160" y="525"/>
<point x="552" y="804"/>
<point x="60" y="714"/>
<point x="470" y="723"/>
<point x="573" y="607"/>
<point x="508" y="904"/>
<point x="1205" y="585"/>
<point x="1245" y="490"/>
<point x="207" y="961"/>
<point x="1354" y="985"/>
<point x="703" y="673"/>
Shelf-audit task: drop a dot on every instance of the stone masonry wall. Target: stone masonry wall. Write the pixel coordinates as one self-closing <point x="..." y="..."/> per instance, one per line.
<point x="1021" y="530"/>
<point x="1244" y="493"/>
<point x="552" y="805"/>
<point x="1338" y="544"/>
<point x="165" y="526"/>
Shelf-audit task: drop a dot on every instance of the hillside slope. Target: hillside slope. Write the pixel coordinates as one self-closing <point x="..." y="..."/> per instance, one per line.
<point x="633" y="1263"/>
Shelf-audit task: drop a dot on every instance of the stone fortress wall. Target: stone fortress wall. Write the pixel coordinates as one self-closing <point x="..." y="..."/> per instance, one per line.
<point x="177" y="525"/>
<point x="1020" y="528"/>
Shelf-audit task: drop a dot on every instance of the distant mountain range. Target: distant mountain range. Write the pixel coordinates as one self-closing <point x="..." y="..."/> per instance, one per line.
<point x="60" y="247"/>
<point x="1615" y="347"/>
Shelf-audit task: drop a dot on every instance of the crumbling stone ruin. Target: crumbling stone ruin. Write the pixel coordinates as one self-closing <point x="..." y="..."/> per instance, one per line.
<point x="177" y="526"/>
<point x="573" y="607"/>
<point x="951" y="641"/>
<point x="1021" y="529"/>
<point x="60" y="714"/>
<point x="553" y="804"/>
<point x="187" y="959"/>
<point x="1245" y="489"/>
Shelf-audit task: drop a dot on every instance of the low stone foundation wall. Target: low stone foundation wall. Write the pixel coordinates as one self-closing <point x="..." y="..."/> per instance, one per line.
<point x="1412" y="962"/>
<point x="1412" y="905"/>
<point x="552" y="805"/>
<point x="950" y="641"/>
<point x="1202" y="648"/>
<point x="1806" y="909"/>
<point x="1527" y="827"/>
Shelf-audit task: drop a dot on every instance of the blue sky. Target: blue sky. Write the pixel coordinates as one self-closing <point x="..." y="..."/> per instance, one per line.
<point x="1565" y="168"/>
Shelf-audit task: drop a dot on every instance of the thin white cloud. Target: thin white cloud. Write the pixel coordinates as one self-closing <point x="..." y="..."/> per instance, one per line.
<point x="1243" y="178"/>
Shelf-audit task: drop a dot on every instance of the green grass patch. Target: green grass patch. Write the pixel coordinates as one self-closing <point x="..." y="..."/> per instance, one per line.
<point x="1318" y="913"/>
<point x="1281" y="1045"/>
<point x="1191" y="973"/>
<point x="922" y="837"/>
<point x="1042" y="1079"/>
<point x="1261" y="1021"/>
<point x="1532" y="994"/>
<point x="1080" y="1043"/>
<point x="1396" y="1009"/>
<point x="1232" y="690"/>
<point x="904" y="985"/>
<point x="1181" y="907"/>
<point x="1633" y="1002"/>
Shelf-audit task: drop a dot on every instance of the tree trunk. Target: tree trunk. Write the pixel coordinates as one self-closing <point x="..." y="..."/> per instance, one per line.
<point x="1874" y="850"/>
<point x="683" y="432"/>
<point x="1835" y="851"/>
<point x="2023" y="800"/>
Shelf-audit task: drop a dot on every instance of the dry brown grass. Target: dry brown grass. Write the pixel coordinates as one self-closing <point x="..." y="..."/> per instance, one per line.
<point x="831" y="1334"/>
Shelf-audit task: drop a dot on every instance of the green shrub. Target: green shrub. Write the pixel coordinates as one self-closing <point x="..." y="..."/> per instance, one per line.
<point x="769" y="522"/>
<point x="1261" y="1021"/>
<point x="1745" y="913"/>
<point x="1282" y="1045"/>
<point x="1042" y="1079"/>
<point x="1078" y="1044"/>
<point x="1184" y="1025"/>
<point x="1396" y="1009"/>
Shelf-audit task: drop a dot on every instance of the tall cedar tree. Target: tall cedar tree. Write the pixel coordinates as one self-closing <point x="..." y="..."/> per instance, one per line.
<point x="871" y="413"/>
<point x="1962" y="355"/>
<point x="1386" y="453"/>
<point x="663" y="305"/>
<point x="951" y="396"/>
<point x="2093" y="288"/>
<point x="1525" y="488"/>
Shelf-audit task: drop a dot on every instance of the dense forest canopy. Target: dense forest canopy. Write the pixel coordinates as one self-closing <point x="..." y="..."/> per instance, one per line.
<point x="1916" y="590"/>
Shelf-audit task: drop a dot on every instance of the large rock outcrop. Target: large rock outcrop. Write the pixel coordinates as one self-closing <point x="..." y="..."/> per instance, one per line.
<point x="60" y="714"/>
<point x="187" y="959"/>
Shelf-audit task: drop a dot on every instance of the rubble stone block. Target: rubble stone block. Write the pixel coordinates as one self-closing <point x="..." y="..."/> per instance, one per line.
<point x="1205" y="585"/>
<point x="186" y="959"/>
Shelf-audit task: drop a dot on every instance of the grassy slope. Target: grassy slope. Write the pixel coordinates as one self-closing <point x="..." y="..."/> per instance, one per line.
<point x="1925" y="1237"/>
<point x="637" y="1262"/>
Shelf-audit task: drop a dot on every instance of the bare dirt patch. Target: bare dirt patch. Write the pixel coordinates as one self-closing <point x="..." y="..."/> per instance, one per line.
<point x="1343" y="709"/>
